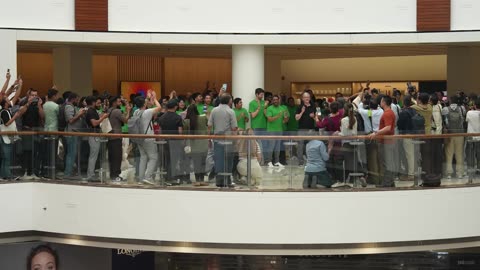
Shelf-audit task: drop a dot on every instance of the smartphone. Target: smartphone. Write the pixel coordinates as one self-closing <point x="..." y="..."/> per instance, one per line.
<point x="224" y="87"/>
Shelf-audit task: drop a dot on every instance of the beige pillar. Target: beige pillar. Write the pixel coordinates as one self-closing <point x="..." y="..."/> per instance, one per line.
<point x="72" y="69"/>
<point x="8" y="55"/>
<point x="463" y="70"/>
<point x="273" y="74"/>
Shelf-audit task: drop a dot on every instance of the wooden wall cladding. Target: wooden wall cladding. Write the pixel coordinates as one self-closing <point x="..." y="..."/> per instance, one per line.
<point x="36" y="70"/>
<point x="104" y="73"/>
<point x="433" y="15"/>
<point x="139" y="68"/>
<point x="91" y="15"/>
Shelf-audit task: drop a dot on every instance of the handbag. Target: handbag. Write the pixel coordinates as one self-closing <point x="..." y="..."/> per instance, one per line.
<point x="105" y="126"/>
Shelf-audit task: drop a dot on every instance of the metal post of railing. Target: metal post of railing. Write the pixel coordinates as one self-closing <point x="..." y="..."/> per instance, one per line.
<point x="290" y="145"/>
<point x="102" y="172"/>
<point x="471" y="154"/>
<point x="249" y="162"/>
<point x="50" y="142"/>
<point x="416" y="150"/>
<point x="161" y="172"/>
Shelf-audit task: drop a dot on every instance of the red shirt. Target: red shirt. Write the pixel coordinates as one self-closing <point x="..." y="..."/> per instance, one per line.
<point x="388" y="119"/>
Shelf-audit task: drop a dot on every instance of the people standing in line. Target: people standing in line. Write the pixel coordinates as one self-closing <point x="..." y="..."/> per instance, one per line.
<point x="386" y="146"/>
<point x="258" y="115"/>
<point x="454" y="124"/>
<point x="277" y="116"/>
<point x="115" y="151"/>
<point x="93" y="120"/>
<point x="32" y="120"/>
<point x="198" y="148"/>
<point x="147" y="148"/>
<point x="305" y="115"/>
<point x="75" y="123"/>
<point x="51" y="109"/>
<point x="241" y="114"/>
<point x="222" y="121"/>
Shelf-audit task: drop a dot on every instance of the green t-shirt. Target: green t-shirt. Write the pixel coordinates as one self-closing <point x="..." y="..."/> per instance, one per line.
<point x="240" y="117"/>
<point x="285" y="111"/>
<point x="292" y="124"/>
<point x="276" y="125"/>
<point x="260" y="121"/>
<point x="200" y="108"/>
<point x="180" y="112"/>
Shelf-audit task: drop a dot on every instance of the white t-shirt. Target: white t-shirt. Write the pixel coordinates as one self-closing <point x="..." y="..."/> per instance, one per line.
<point x="473" y="120"/>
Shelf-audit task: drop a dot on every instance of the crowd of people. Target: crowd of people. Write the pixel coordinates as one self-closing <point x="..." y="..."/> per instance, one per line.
<point x="379" y="160"/>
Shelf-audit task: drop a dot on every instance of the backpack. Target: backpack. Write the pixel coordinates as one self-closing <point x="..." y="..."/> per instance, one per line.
<point x="62" y="120"/>
<point x="455" y="120"/>
<point x="418" y="123"/>
<point x="135" y="126"/>
<point x="360" y="122"/>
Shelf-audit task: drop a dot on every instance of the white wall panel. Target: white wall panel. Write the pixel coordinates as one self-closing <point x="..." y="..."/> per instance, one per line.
<point x="465" y="15"/>
<point x="265" y="16"/>
<point x="38" y="14"/>
<point x="243" y="217"/>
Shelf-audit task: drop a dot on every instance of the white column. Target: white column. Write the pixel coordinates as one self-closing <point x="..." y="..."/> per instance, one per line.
<point x="247" y="71"/>
<point x="8" y="55"/>
<point x="72" y="69"/>
<point x="463" y="65"/>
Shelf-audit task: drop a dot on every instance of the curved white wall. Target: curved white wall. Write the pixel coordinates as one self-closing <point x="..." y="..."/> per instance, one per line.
<point x="265" y="16"/>
<point x="464" y="15"/>
<point x="242" y="217"/>
<point x="38" y="14"/>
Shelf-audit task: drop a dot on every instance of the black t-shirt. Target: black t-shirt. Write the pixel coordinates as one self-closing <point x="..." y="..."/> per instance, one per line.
<point x="31" y="117"/>
<point x="306" y="122"/>
<point x="169" y="123"/>
<point x="91" y="114"/>
<point x="5" y="116"/>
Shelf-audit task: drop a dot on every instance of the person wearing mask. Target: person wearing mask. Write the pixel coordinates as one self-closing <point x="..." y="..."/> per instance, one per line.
<point x="197" y="126"/>
<point x="147" y="148"/>
<point x="75" y="123"/>
<point x="32" y="120"/>
<point x="222" y="121"/>
<point x="241" y="114"/>
<point x="51" y="109"/>
<point x="114" y="145"/>
<point x="305" y="115"/>
<point x="473" y="126"/>
<point x="93" y="123"/>
<point x="454" y="119"/>
<point x="277" y="116"/>
<point x="386" y="146"/>
<point x="258" y="115"/>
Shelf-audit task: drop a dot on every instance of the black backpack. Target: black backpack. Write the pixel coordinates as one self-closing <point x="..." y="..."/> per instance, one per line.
<point x="62" y="121"/>
<point x="417" y="123"/>
<point x="360" y="122"/>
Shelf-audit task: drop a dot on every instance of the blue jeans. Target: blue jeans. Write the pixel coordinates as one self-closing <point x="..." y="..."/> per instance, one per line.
<point x="273" y="149"/>
<point x="223" y="156"/>
<point x="263" y="144"/>
<point x="71" y="154"/>
<point x="6" y="157"/>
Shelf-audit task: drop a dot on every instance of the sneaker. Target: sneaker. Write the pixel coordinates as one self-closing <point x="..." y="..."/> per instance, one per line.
<point x="27" y="177"/>
<point x="278" y="164"/>
<point x="35" y="177"/>
<point x="363" y="182"/>
<point x="270" y="164"/>
<point x="338" y="184"/>
<point x="117" y="180"/>
<point x="148" y="182"/>
<point x="449" y="176"/>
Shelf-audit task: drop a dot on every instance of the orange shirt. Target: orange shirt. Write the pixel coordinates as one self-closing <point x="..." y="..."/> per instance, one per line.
<point x="388" y="119"/>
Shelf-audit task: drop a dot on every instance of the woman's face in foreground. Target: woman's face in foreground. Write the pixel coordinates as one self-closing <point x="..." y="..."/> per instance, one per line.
<point x="43" y="261"/>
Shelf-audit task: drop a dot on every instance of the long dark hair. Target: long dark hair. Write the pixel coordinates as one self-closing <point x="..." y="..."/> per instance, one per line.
<point x="348" y="108"/>
<point x="39" y="249"/>
<point x="192" y="115"/>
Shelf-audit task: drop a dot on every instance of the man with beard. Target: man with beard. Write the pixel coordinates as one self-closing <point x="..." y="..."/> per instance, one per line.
<point x="93" y="123"/>
<point x="117" y="120"/>
<point x="75" y="123"/>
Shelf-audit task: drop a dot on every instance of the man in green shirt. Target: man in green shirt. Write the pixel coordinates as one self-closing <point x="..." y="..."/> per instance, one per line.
<point x="258" y="111"/>
<point x="277" y="116"/>
<point x="241" y="114"/>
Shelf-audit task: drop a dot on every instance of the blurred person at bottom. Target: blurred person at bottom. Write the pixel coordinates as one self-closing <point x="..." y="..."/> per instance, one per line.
<point x="255" y="158"/>
<point x="198" y="148"/>
<point x="316" y="165"/>
<point x="42" y="257"/>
